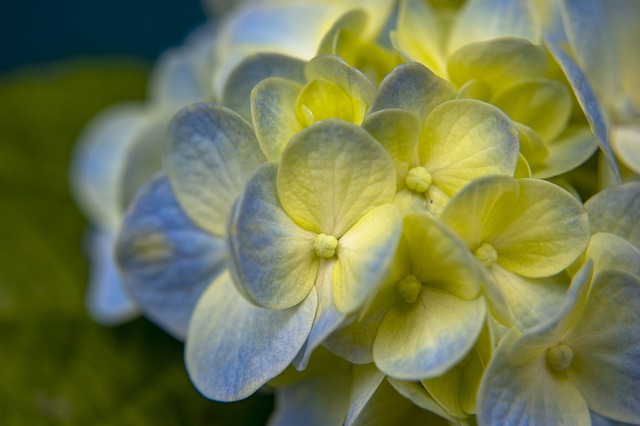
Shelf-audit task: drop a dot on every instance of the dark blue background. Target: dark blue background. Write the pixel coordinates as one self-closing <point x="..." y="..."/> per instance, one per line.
<point x="38" y="31"/>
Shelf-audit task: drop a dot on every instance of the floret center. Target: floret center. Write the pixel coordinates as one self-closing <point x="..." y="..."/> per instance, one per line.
<point x="410" y="288"/>
<point x="325" y="245"/>
<point x="486" y="254"/>
<point x="418" y="179"/>
<point x="560" y="357"/>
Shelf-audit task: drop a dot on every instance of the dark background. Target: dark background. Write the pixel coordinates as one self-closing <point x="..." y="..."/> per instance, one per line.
<point x="37" y="31"/>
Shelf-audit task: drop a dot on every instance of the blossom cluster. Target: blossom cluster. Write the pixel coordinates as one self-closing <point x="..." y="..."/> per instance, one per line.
<point x="376" y="210"/>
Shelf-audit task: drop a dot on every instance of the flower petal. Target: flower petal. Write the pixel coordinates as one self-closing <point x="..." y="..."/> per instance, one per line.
<point x="418" y="395"/>
<point x="328" y="318"/>
<point x="617" y="210"/>
<point x="251" y="71"/>
<point x="273" y="107"/>
<point x="97" y="167"/>
<point x="586" y="98"/>
<point x="419" y="35"/>
<point x="398" y="132"/>
<point x="499" y="63"/>
<point x="274" y="264"/>
<point x="603" y="35"/>
<point x="234" y="347"/>
<point x="439" y="258"/>
<point x="335" y="70"/>
<point x="543" y="104"/>
<point x="482" y="20"/>
<point x="626" y="144"/>
<point x="366" y="381"/>
<point x="426" y="338"/>
<point x="412" y="87"/>
<point x="333" y="173"/>
<point x="609" y="251"/>
<point x="571" y="149"/>
<point x="212" y="153"/>
<point x="165" y="259"/>
<point x="528" y="393"/>
<point x="606" y="346"/>
<point x="364" y="255"/>
<point x="464" y="139"/>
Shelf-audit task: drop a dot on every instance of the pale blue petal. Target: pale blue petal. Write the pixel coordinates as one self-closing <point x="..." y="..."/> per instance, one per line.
<point x="234" y="347"/>
<point x="604" y="36"/>
<point x="98" y="162"/>
<point x="274" y="262"/>
<point x="586" y="98"/>
<point x="606" y="344"/>
<point x="617" y="210"/>
<point x="107" y="300"/>
<point x="252" y="71"/>
<point x="166" y="261"/>
<point x="412" y="87"/>
<point x="211" y="154"/>
<point x="317" y="401"/>
<point x="598" y="420"/>
<point x="527" y="394"/>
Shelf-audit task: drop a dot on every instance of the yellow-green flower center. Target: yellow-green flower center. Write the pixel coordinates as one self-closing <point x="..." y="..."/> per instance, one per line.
<point x="410" y="288"/>
<point x="560" y="357"/>
<point x="418" y="179"/>
<point x="486" y="254"/>
<point x="325" y="245"/>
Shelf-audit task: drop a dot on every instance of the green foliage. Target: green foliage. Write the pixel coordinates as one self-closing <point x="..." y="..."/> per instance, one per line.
<point x="56" y="365"/>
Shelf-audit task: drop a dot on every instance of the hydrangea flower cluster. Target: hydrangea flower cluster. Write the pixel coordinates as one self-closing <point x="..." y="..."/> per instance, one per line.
<point x="376" y="210"/>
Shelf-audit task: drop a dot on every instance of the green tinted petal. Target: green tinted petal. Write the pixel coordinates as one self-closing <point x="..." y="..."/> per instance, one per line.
<point x="500" y="63"/>
<point x="364" y="255"/>
<point x="606" y="346"/>
<point x="482" y="20"/>
<point x="253" y="70"/>
<point x="388" y="406"/>
<point x="273" y="107"/>
<point x="571" y="149"/>
<point x="335" y="70"/>
<point x="549" y="229"/>
<point x="464" y="139"/>
<point x="531" y="301"/>
<point x="426" y="338"/>
<point x="419" y="35"/>
<point x="440" y="258"/>
<point x="398" y="132"/>
<point x="211" y="154"/>
<point x="544" y="105"/>
<point x="617" y="210"/>
<point x="412" y="87"/>
<point x="234" y="347"/>
<point x="625" y="141"/>
<point x="417" y="394"/>
<point x="481" y="209"/>
<point x="333" y="173"/>
<point x="274" y="262"/>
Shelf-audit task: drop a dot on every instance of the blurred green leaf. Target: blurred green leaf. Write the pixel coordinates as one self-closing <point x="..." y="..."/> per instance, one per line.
<point x="56" y="366"/>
